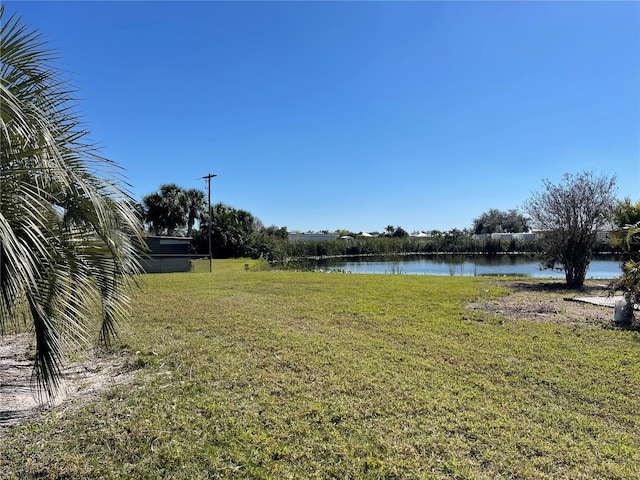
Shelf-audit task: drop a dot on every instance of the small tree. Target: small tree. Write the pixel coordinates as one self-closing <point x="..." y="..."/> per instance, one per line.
<point x="395" y="232"/>
<point x="569" y="216"/>
<point x="630" y="279"/>
<point x="627" y="236"/>
<point x="626" y="216"/>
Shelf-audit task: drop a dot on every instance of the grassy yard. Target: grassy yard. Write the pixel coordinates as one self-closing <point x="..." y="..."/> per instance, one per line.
<point x="271" y="374"/>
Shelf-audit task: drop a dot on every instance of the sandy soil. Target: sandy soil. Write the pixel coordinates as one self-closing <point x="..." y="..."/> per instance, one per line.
<point x="19" y="399"/>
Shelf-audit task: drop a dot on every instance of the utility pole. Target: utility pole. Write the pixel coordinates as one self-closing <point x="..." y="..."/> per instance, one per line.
<point x="208" y="178"/>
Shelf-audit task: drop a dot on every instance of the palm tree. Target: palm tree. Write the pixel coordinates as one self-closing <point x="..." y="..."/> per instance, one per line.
<point x="629" y="281"/>
<point x="69" y="238"/>
<point x="195" y="205"/>
<point x="165" y="210"/>
<point x="231" y="230"/>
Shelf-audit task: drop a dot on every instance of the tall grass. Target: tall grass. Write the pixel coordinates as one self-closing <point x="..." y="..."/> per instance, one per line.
<point x="281" y="374"/>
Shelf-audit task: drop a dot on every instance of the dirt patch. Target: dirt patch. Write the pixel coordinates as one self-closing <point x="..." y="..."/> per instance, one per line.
<point x="19" y="399"/>
<point x="550" y="301"/>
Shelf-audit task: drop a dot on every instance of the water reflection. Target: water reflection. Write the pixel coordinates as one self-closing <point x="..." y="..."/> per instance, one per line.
<point x="602" y="266"/>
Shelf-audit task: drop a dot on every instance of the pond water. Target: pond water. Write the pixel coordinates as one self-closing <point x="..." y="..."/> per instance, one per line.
<point x="602" y="266"/>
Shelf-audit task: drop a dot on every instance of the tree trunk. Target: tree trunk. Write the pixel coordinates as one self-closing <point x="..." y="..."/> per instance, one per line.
<point x="576" y="273"/>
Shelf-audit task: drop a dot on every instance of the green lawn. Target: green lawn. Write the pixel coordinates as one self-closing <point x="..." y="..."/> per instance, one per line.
<point x="272" y="374"/>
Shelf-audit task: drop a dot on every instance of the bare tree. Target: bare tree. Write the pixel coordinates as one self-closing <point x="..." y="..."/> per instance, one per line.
<point x="569" y="216"/>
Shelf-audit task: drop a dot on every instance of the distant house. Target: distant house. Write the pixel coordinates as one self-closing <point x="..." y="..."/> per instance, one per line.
<point x="312" y="237"/>
<point x="601" y="235"/>
<point x="524" y="236"/>
<point x="167" y="254"/>
<point x="504" y="236"/>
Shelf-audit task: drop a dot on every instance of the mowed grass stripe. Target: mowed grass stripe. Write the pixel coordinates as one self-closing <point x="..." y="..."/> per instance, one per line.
<point x="278" y="374"/>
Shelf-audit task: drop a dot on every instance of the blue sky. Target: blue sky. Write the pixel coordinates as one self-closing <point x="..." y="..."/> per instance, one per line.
<point x="356" y="115"/>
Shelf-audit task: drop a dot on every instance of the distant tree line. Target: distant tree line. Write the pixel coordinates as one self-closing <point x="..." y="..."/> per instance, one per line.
<point x="498" y="221"/>
<point x="175" y="211"/>
<point x="236" y="233"/>
<point x="567" y="216"/>
<point x="452" y="241"/>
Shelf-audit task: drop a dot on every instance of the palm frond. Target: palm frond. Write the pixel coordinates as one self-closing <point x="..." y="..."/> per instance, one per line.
<point x="70" y="235"/>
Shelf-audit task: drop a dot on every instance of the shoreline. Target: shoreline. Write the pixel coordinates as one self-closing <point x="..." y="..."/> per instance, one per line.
<point x="408" y="254"/>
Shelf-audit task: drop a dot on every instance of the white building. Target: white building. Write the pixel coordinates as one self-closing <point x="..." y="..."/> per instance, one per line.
<point x="312" y="237"/>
